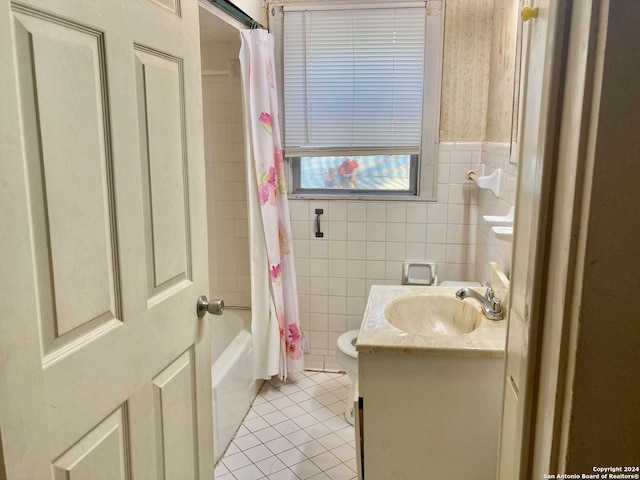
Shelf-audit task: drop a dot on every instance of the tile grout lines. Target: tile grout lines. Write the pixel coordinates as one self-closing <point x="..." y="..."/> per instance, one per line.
<point x="295" y="430"/>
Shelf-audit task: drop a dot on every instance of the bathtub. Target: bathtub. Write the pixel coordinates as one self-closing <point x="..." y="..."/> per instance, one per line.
<point x="232" y="375"/>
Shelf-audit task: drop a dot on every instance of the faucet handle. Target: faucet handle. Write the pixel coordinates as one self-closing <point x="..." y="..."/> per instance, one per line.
<point x="496" y="306"/>
<point x="489" y="294"/>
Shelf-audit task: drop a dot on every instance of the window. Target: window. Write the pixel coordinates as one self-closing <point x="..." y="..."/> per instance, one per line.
<point x="356" y="119"/>
<point x="361" y="173"/>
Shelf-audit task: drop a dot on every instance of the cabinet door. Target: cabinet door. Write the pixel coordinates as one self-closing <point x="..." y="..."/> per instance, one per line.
<point x="358" y="409"/>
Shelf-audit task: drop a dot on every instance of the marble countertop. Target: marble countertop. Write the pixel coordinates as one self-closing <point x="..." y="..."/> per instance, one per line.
<point x="379" y="336"/>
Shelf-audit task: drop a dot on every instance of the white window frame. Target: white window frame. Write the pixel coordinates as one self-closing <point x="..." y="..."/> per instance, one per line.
<point x="434" y="43"/>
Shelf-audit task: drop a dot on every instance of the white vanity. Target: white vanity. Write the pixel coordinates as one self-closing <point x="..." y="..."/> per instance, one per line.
<point x="430" y="387"/>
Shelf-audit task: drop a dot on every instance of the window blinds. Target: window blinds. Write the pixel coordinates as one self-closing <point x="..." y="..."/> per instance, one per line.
<point x="353" y="80"/>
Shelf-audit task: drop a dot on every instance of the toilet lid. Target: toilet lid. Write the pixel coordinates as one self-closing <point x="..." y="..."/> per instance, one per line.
<point x="347" y="343"/>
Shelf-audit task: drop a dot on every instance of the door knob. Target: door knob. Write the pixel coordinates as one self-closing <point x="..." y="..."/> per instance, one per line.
<point x="215" y="307"/>
<point x="528" y="13"/>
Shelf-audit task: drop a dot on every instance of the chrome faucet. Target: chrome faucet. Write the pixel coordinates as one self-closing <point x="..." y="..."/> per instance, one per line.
<point x="491" y="305"/>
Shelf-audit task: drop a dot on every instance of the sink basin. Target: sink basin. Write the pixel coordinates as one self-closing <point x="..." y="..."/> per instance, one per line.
<point x="433" y="315"/>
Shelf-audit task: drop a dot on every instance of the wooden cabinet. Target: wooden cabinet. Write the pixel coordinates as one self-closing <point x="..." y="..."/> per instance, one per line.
<point x="430" y="416"/>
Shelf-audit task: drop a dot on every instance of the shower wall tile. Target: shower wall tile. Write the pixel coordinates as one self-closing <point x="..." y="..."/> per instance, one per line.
<point x="437" y="213"/>
<point x="366" y="243"/>
<point x="394" y="233"/>
<point x="229" y="272"/>
<point x="375" y="250"/>
<point x="395" y="251"/>
<point x="338" y="287"/>
<point x="376" y="212"/>
<point x="442" y="193"/>
<point x="417" y="232"/>
<point x="444" y="171"/>
<point x="396" y="212"/>
<point x="417" y="213"/>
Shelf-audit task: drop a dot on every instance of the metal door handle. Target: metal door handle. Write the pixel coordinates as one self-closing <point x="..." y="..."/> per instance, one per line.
<point x="215" y="307"/>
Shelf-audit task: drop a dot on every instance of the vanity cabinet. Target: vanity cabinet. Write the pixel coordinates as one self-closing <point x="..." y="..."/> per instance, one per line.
<point x="430" y="416"/>
<point x="430" y="403"/>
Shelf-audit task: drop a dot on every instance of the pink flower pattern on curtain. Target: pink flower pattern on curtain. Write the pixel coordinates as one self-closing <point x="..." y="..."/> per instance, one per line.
<point x="272" y="193"/>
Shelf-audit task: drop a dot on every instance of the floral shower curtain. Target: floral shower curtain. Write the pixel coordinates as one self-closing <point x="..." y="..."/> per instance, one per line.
<point x="278" y="339"/>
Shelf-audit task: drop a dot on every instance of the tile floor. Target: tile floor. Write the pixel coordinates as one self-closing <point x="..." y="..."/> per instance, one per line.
<point x="294" y="431"/>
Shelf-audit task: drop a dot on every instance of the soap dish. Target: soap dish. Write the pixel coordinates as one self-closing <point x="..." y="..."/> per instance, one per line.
<point x="505" y="220"/>
<point x="419" y="273"/>
<point x="505" y="233"/>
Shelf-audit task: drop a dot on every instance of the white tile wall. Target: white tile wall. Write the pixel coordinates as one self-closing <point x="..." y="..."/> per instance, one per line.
<point x="229" y="267"/>
<point x="489" y="248"/>
<point x="366" y="243"/>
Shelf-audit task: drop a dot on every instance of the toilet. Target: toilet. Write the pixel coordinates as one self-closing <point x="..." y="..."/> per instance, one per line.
<point x="347" y="358"/>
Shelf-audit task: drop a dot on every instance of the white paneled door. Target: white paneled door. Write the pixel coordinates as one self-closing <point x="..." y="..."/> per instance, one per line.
<point x="104" y="365"/>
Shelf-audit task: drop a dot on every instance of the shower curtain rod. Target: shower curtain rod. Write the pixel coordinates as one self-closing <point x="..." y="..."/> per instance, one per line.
<point x="236" y="13"/>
